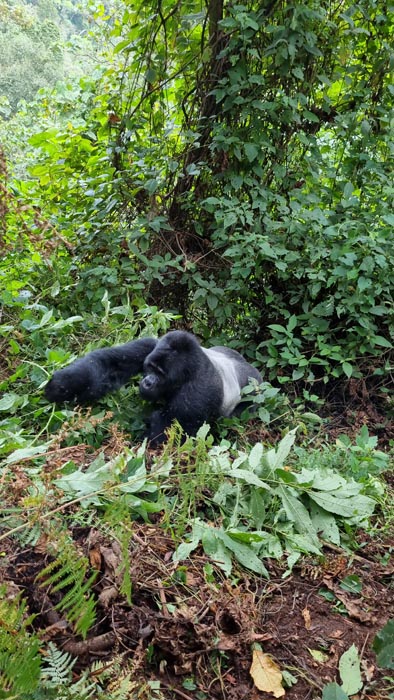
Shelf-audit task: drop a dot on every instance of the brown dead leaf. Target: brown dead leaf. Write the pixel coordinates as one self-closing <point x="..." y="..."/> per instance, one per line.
<point x="112" y="557"/>
<point x="352" y="608"/>
<point x="266" y="674"/>
<point x="95" y="558"/>
<point x="337" y="634"/>
<point x="41" y="546"/>
<point x="107" y="596"/>
<point x="307" y="618"/>
<point x="191" y="579"/>
<point x="227" y="643"/>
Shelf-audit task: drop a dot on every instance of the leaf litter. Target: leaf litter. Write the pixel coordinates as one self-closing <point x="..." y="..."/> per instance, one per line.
<point x="236" y="638"/>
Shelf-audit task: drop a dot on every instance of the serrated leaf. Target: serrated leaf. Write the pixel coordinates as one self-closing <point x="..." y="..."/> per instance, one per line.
<point x="298" y="514"/>
<point x="301" y="543"/>
<point x="185" y="548"/>
<point x="27" y="452"/>
<point x="349" y="671"/>
<point x="325" y="524"/>
<point x="255" y="455"/>
<point x="284" y="448"/>
<point x="347" y="507"/>
<point x="215" y="548"/>
<point x="249" y="478"/>
<point x="244" y="554"/>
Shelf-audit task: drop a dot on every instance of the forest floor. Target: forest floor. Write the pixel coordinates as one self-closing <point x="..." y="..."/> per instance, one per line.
<point x="193" y="637"/>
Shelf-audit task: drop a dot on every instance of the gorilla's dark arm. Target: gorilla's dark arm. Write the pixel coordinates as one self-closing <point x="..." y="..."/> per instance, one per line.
<point x="98" y="373"/>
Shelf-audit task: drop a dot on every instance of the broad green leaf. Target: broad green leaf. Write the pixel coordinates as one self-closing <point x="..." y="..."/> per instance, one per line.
<point x="58" y="325"/>
<point x="255" y="456"/>
<point x="298" y="514"/>
<point x="349" y="671"/>
<point x="380" y="340"/>
<point x="292" y="322"/>
<point x="323" y="480"/>
<point x="46" y="318"/>
<point x="184" y="550"/>
<point x="351" y="583"/>
<point x="215" y="548"/>
<point x="251" y="151"/>
<point x="347" y="368"/>
<point x="27" y="452"/>
<point x="325" y="524"/>
<point x="277" y="327"/>
<point x="284" y="448"/>
<point x="249" y="478"/>
<point x="9" y="401"/>
<point x="302" y="543"/>
<point x="333" y="691"/>
<point x="347" y="507"/>
<point x="286" y="476"/>
<point x="245" y="555"/>
<point x="383" y="646"/>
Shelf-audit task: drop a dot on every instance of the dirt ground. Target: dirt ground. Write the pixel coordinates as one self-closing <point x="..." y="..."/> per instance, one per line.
<point x="193" y="632"/>
<point x="199" y="635"/>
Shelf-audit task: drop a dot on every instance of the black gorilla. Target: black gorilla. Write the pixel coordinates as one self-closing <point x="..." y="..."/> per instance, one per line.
<point x="192" y="384"/>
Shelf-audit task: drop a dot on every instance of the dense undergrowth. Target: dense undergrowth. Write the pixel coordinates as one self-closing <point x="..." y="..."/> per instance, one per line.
<point x="228" y="170"/>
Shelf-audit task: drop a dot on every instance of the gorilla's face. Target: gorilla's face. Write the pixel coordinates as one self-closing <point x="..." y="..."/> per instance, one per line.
<point x="164" y="370"/>
<point x="153" y="384"/>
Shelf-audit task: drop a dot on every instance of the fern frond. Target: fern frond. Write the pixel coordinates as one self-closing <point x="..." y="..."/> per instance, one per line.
<point x="20" y="660"/>
<point x="58" y="667"/>
<point x="69" y="570"/>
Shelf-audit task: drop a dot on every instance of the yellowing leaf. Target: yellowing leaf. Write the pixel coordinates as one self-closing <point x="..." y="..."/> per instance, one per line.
<point x="266" y="674"/>
<point x="318" y="656"/>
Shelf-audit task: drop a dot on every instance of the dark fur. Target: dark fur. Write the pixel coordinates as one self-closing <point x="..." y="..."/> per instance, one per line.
<point x="192" y="385"/>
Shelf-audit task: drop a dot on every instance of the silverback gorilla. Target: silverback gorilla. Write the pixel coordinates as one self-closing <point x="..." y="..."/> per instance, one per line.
<point x="189" y="383"/>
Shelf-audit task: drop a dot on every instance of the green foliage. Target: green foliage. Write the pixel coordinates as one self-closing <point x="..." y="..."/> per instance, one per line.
<point x="33" y="49"/>
<point x="231" y="165"/>
<point x="266" y="509"/>
<point x="333" y="691"/>
<point x="383" y="645"/>
<point x="30" y="55"/>
<point x="350" y="673"/>
<point x="38" y="341"/>
<point x="57" y="670"/>
<point x="360" y="459"/>
<point x="257" y="202"/>
<point x="123" y="478"/>
<point x="19" y="648"/>
<point x="68" y="573"/>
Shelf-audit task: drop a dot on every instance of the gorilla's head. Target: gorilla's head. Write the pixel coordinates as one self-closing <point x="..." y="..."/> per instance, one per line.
<point x="174" y="361"/>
